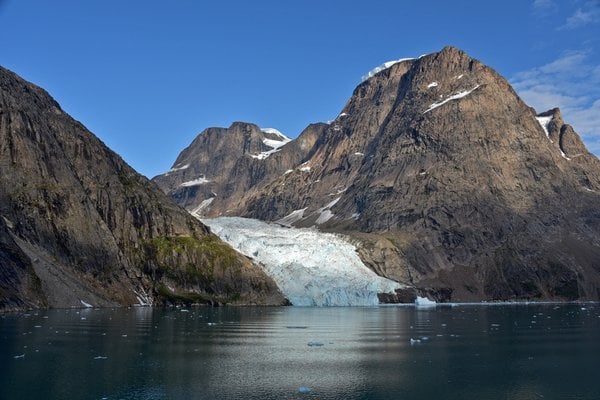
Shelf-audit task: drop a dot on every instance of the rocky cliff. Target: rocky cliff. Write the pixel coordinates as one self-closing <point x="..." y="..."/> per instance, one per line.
<point x="450" y="183"/>
<point x="79" y="226"/>
<point x="222" y="166"/>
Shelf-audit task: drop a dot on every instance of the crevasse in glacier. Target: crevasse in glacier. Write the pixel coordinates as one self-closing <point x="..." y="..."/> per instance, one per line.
<point x="310" y="267"/>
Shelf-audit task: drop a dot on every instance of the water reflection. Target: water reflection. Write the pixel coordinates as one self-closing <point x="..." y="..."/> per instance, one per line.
<point x="516" y="352"/>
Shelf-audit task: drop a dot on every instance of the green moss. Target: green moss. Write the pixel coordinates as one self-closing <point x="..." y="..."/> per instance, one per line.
<point x="189" y="260"/>
<point x="209" y="245"/>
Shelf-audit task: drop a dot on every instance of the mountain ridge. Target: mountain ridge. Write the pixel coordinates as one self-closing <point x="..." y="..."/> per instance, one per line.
<point x="440" y="158"/>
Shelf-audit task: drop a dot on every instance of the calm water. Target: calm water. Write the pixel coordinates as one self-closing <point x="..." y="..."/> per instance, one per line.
<point x="465" y="352"/>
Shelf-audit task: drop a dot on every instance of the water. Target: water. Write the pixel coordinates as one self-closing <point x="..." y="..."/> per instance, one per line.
<point x="463" y="352"/>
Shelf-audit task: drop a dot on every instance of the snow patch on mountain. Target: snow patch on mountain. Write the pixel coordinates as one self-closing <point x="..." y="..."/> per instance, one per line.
<point x="272" y="143"/>
<point x="274" y="131"/>
<point x="544" y="121"/>
<point x="382" y="67"/>
<point x="175" y="169"/>
<point x="456" y="96"/>
<point x="310" y="267"/>
<point x="197" y="212"/>
<point x="291" y="218"/>
<point x="432" y="84"/>
<point x="195" y="182"/>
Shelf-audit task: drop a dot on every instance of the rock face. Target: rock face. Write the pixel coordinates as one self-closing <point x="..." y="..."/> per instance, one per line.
<point x="222" y="166"/>
<point x="78" y="225"/>
<point x="450" y="183"/>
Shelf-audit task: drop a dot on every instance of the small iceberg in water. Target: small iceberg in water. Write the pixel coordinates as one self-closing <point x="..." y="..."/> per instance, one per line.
<point x="424" y="302"/>
<point x="304" y="389"/>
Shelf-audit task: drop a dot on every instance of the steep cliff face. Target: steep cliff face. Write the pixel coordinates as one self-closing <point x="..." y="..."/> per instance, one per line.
<point x="222" y="166"/>
<point x="452" y="184"/>
<point x="81" y="226"/>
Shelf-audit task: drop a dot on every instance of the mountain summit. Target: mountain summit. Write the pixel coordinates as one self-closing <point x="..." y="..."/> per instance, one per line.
<point x="446" y="178"/>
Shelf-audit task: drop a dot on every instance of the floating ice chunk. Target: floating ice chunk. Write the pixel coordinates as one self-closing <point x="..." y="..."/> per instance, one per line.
<point x="19" y="356"/>
<point x="86" y="305"/>
<point x="100" y="358"/>
<point x="456" y="96"/>
<point x="432" y="84"/>
<point x="414" y="341"/>
<point x="291" y="218"/>
<point x="195" y="182"/>
<point x="424" y="302"/>
<point x="315" y="344"/>
<point x="304" y="390"/>
<point x="382" y="67"/>
<point x="184" y="310"/>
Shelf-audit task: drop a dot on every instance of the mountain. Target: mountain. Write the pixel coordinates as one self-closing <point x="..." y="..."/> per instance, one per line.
<point x="444" y="177"/>
<point x="219" y="168"/>
<point x="78" y="226"/>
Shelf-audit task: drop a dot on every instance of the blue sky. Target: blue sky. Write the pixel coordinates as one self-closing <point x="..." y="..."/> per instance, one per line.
<point x="147" y="76"/>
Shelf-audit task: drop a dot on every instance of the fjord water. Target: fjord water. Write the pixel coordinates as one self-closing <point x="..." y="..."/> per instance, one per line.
<point x="464" y="352"/>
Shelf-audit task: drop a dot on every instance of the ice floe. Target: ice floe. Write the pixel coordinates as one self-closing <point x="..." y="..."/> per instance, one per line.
<point x="424" y="302"/>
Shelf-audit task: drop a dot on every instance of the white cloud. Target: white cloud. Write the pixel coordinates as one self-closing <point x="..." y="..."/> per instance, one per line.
<point x="589" y="13"/>
<point x="542" y="8"/>
<point x="571" y="83"/>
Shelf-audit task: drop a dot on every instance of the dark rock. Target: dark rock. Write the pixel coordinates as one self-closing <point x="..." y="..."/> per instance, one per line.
<point x="99" y="231"/>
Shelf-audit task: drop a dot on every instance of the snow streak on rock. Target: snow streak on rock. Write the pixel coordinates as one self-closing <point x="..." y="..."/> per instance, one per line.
<point x="456" y="96"/>
<point x="311" y="268"/>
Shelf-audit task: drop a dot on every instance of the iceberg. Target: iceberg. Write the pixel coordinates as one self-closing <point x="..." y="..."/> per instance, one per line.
<point x="311" y="268"/>
<point x="424" y="302"/>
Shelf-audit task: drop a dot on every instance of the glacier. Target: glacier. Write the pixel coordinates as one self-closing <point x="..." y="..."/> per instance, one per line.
<point x="311" y="268"/>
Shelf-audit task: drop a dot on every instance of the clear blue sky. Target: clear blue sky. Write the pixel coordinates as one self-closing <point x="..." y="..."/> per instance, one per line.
<point x="147" y="76"/>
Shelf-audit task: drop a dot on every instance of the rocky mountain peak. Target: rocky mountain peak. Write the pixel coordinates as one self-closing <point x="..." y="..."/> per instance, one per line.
<point x="438" y="157"/>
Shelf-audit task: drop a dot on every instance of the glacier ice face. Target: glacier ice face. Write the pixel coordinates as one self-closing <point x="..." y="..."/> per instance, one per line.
<point x="310" y="267"/>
